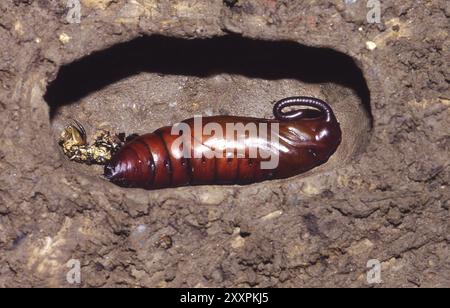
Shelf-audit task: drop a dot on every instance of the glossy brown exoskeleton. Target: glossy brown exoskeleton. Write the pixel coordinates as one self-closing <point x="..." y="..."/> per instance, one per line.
<point x="303" y="139"/>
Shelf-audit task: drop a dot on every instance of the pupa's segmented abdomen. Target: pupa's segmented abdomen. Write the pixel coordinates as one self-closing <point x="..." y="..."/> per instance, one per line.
<point x="303" y="139"/>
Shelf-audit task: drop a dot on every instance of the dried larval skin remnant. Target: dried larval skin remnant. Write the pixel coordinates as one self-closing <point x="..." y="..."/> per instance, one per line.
<point x="73" y="141"/>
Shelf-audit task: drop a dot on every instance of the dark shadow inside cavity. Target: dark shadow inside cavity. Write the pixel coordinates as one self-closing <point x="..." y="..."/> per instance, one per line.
<point x="268" y="60"/>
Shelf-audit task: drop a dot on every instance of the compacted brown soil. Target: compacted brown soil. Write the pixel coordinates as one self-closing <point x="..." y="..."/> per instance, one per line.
<point x="134" y="66"/>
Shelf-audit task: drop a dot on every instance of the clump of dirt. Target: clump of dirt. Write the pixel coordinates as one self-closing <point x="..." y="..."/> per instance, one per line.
<point x="135" y="66"/>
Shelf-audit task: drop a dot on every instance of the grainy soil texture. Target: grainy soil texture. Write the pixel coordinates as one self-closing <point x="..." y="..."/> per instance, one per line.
<point x="134" y="66"/>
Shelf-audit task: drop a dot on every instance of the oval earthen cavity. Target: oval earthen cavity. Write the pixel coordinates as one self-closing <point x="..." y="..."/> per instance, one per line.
<point x="149" y="82"/>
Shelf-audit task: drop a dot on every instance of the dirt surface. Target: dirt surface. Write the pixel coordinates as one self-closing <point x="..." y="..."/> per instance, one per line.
<point x="134" y="66"/>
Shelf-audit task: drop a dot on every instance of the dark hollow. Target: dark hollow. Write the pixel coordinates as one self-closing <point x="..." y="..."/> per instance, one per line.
<point x="231" y="54"/>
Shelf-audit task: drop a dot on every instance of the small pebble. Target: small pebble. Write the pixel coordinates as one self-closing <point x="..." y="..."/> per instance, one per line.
<point x="371" y="45"/>
<point x="64" y="38"/>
